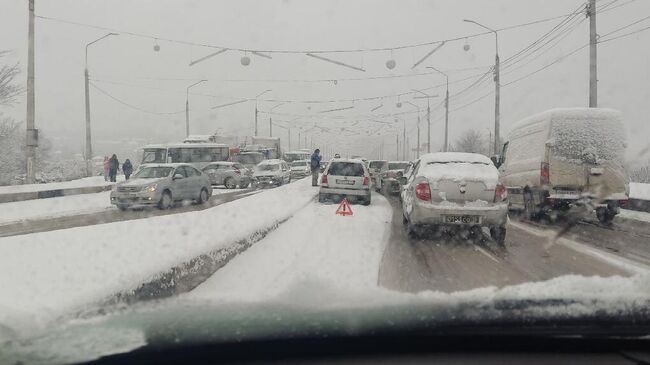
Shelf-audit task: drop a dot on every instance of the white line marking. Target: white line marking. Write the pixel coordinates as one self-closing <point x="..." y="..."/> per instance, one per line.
<point x="612" y="259"/>
<point x="479" y="249"/>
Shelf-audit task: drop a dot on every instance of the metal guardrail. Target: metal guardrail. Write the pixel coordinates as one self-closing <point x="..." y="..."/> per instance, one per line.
<point x="52" y="193"/>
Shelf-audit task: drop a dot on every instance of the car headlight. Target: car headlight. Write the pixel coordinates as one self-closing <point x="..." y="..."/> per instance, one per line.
<point x="150" y="188"/>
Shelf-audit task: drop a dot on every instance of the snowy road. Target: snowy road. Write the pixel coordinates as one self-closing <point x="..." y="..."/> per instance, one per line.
<point x="41" y="215"/>
<point x="414" y="265"/>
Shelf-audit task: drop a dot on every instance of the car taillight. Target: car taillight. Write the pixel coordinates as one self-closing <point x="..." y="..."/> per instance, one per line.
<point x="544" y="174"/>
<point x="323" y="179"/>
<point x="423" y="191"/>
<point x="500" y="193"/>
<point x="366" y="180"/>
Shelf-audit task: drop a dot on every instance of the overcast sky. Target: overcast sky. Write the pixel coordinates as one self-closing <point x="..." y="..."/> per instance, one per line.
<point x="127" y="67"/>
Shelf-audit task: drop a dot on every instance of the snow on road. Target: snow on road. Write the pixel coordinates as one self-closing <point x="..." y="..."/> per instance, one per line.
<point x="54" y="207"/>
<point x="79" y="183"/>
<point x="640" y="191"/>
<point x="62" y="206"/>
<point x="314" y="246"/>
<point x="637" y="216"/>
<point x="43" y="275"/>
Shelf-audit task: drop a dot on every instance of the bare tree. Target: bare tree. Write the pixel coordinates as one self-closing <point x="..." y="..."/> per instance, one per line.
<point x="9" y="90"/>
<point x="470" y="141"/>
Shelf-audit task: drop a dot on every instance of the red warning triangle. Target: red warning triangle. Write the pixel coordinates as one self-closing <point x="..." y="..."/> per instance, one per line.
<point x="344" y="208"/>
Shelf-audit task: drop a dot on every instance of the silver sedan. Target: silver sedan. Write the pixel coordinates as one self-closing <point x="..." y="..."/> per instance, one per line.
<point x="160" y="185"/>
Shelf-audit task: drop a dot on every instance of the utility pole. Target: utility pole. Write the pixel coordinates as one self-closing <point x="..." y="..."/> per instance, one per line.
<point x="89" y="146"/>
<point x="32" y="132"/>
<point x="593" y="55"/>
<point x="445" y="147"/>
<point x="397" y="145"/>
<point x="270" y="127"/>
<point x="404" y="140"/>
<point x="428" y="126"/>
<point x="257" y="111"/>
<point x="497" y="85"/>
<point x="187" y="107"/>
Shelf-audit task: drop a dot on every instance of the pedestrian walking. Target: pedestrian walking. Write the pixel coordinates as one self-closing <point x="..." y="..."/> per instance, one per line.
<point x="107" y="167"/>
<point x="114" y="167"/>
<point x="127" y="169"/>
<point x="315" y="167"/>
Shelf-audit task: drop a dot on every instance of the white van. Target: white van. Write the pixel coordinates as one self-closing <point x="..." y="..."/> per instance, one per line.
<point x="563" y="157"/>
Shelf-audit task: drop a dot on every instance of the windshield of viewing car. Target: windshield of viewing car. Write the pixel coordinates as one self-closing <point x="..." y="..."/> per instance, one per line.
<point x="346" y="168"/>
<point x="153" y="172"/>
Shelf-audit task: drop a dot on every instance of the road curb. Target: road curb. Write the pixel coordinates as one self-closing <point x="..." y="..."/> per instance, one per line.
<point x="52" y="193"/>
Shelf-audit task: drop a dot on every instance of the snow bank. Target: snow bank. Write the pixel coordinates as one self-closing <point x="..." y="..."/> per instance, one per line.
<point x="43" y="275"/>
<point x="637" y="216"/>
<point x="640" y="191"/>
<point x="80" y="183"/>
<point x="314" y="248"/>
<point x="55" y="207"/>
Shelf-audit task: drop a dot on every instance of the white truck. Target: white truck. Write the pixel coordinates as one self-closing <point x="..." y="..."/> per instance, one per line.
<point x="561" y="158"/>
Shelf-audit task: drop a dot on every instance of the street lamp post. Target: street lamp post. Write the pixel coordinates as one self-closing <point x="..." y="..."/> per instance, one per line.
<point x="256" y="111"/>
<point x="497" y="84"/>
<point x="427" y="96"/>
<point x="271" y="119"/>
<point x="89" y="148"/>
<point x="418" y="139"/>
<point x="187" y="107"/>
<point x="446" y="146"/>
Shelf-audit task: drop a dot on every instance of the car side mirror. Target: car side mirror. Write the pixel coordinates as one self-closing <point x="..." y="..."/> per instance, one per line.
<point x="178" y="177"/>
<point x="496" y="160"/>
<point x="402" y="180"/>
<point x="400" y="174"/>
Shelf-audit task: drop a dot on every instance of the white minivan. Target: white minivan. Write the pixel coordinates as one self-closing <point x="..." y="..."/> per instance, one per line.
<point x="563" y="157"/>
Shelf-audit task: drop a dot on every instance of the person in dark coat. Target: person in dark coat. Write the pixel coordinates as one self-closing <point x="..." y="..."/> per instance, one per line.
<point x="315" y="167"/>
<point x="114" y="167"/>
<point x="127" y="169"/>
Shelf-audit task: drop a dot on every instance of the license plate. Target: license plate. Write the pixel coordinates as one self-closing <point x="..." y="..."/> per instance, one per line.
<point x="462" y="219"/>
<point x="345" y="182"/>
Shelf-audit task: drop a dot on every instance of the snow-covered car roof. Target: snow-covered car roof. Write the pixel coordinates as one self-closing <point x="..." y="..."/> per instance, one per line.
<point x="569" y="114"/>
<point x="454" y="157"/>
<point x="223" y="163"/>
<point x="355" y="160"/>
<point x="185" y="145"/>
<point x="408" y="162"/>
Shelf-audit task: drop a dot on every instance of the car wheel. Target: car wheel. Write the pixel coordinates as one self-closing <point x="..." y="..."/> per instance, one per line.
<point x="412" y="230"/>
<point x="604" y="215"/>
<point x="203" y="196"/>
<point x="165" y="201"/>
<point x="366" y="201"/>
<point x="230" y="183"/>
<point x="499" y="235"/>
<point x="244" y="185"/>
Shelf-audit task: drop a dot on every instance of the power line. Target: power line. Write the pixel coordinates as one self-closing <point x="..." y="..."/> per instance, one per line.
<point x="133" y="106"/>
<point x="288" y="51"/>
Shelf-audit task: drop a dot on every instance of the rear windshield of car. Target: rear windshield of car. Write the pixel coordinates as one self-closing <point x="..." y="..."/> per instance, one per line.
<point x="584" y="140"/>
<point x="377" y="164"/>
<point x="268" y="167"/>
<point x="397" y="166"/>
<point x="153" y="172"/>
<point x="346" y="169"/>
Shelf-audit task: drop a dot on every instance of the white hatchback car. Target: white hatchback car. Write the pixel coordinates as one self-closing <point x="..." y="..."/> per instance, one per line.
<point x="455" y="189"/>
<point x="345" y="178"/>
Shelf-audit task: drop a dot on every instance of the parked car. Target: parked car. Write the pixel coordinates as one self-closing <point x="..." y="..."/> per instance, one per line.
<point x="300" y="169"/>
<point x="455" y="189"/>
<point x="272" y="172"/>
<point x="345" y="178"/>
<point x="376" y="168"/>
<point x="389" y="178"/>
<point x="229" y="174"/>
<point x="561" y="158"/>
<point x="160" y="185"/>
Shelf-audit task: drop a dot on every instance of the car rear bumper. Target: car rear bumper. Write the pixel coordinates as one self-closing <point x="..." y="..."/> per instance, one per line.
<point x="430" y="213"/>
<point x="344" y="192"/>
